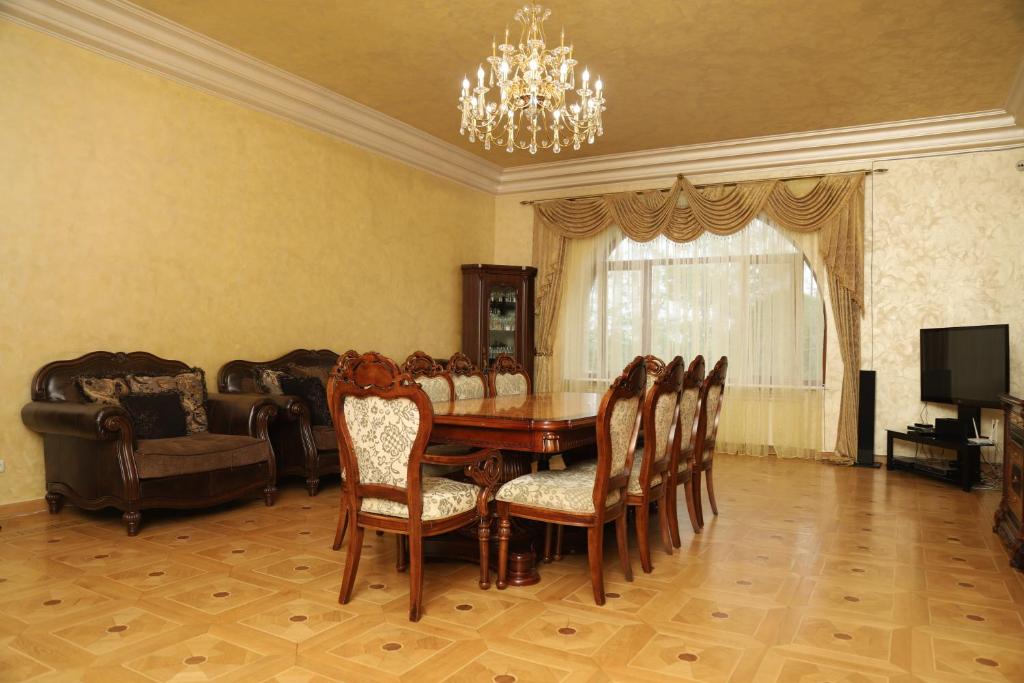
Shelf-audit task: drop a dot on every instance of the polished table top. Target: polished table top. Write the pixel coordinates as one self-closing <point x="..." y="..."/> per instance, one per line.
<point x="532" y="423"/>
<point x="532" y="410"/>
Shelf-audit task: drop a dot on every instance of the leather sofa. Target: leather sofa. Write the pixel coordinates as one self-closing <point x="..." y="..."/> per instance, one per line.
<point x="94" y="458"/>
<point x="302" y="448"/>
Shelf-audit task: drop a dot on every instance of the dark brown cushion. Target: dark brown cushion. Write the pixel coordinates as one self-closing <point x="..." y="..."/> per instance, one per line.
<point x="203" y="452"/>
<point x="156" y="416"/>
<point x="311" y="390"/>
<point x="324" y="438"/>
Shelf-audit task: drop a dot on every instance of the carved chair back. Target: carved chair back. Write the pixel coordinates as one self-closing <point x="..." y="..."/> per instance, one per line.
<point x="689" y="404"/>
<point x="241" y="376"/>
<point x="56" y="381"/>
<point x="508" y="378"/>
<point x="618" y="422"/>
<point x="468" y="380"/>
<point x="383" y="419"/>
<point x="429" y="374"/>
<point x="660" y="419"/>
<point x="655" y="367"/>
<point x="711" y="395"/>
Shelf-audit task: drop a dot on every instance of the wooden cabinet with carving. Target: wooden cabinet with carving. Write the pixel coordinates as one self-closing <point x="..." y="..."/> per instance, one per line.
<point x="1010" y="514"/>
<point x="497" y="313"/>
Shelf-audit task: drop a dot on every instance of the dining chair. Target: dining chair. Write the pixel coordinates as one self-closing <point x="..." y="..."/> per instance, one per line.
<point x="507" y="377"/>
<point x="339" y="536"/>
<point x="467" y="378"/>
<point x="383" y="419"/>
<point x="582" y="498"/>
<point x="650" y="475"/>
<point x="429" y="374"/>
<point x="712" y="393"/>
<point x="681" y="467"/>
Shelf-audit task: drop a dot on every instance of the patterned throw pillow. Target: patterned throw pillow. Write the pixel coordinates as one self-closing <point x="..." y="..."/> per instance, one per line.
<point x="321" y="372"/>
<point x="191" y="389"/>
<point x="268" y="380"/>
<point x="156" y="416"/>
<point x="313" y="393"/>
<point x="103" y="389"/>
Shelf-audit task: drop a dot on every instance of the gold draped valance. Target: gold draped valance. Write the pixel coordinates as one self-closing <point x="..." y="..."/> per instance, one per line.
<point x="834" y="208"/>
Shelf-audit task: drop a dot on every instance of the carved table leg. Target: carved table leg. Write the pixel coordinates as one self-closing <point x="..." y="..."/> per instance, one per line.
<point x="54" y="501"/>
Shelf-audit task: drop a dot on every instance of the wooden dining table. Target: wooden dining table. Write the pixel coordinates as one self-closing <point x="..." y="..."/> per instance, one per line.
<point x="525" y="427"/>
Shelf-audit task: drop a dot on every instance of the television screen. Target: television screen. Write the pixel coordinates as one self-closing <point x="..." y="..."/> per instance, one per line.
<point x="965" y="365"/>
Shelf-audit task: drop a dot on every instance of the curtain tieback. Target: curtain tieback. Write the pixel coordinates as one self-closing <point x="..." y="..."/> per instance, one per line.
<point x="542" y="354"/>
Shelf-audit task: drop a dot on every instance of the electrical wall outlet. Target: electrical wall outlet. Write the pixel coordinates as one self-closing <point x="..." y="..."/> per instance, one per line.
<point x="1020" y="165"/>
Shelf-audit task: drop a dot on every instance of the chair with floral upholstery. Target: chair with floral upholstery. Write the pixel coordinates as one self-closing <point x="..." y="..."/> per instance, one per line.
<point x="581" y="498"/>
<point x="437" y="383"/>
<point x="650" y="473"/>
<point x="682" y="450"/>
<point x="712" y="392"/>
<point x="467" y="378"/>
<point x="507" y="377"/>
<point x="383" y="419"/>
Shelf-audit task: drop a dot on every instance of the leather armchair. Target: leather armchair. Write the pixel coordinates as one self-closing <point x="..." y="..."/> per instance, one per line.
<point x="94" y="459"/>
<point x="301" y="448"/>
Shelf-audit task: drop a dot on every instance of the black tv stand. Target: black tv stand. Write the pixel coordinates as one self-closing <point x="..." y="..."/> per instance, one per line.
<point x="968" y="471"/>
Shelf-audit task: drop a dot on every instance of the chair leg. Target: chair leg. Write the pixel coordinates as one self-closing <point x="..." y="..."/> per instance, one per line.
<point x="691" y="509"/>
<point x="549" y="530"/>
<point x="696" y="497"/>
<point x="401" y="550"/>
<point x="355" y="548"/>
<point x="558" y="543"/>
<point x="595" y="558"/>
<point x="622" y="540"/>
<point x="663" y="524"/>
<point x="339" y="535"/>
<point x="643" y="541"/>
<point x="671" y="503"/>
<point x="415" y="575"/>
<point x="711" y="491"/>
<point x="504" y="533"/>
<point x="483" y="534"/>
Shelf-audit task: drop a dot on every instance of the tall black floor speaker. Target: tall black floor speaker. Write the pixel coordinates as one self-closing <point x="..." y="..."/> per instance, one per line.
<point x="866" y="421"/>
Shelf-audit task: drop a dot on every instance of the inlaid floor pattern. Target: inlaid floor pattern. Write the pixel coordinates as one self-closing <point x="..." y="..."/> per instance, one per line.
<point x="812" y="573"/>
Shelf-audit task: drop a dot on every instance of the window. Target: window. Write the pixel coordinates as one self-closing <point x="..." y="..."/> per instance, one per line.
<point x="750" y="296"/>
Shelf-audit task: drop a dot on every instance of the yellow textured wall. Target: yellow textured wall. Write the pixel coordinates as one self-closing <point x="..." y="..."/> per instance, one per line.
<point x="139" y="214"/>
<point x="944" y="245"/>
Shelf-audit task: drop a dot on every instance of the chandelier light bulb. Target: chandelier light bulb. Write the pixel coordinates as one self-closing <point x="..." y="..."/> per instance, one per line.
<point x="530" y="108"/>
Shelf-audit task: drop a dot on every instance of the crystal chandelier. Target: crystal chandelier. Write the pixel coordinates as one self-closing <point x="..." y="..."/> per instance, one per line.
<point x="531" y="110"/>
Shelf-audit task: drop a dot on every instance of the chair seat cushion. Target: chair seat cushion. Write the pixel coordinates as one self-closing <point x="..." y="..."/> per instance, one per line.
<point x="590" y="466"/>
<point x="569" y="490"/>
<point x="325" y="438"/>
<point x="441" y="498"/>
<point x="202" y="452"/>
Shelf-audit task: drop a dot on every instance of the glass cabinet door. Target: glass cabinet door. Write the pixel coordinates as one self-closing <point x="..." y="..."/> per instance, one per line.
<point x="501" y="323"/>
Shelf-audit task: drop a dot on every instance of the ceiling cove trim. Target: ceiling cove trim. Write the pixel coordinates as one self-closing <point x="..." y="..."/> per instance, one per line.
<point x="130" y="34"/>
<point x="143" y="39"/>
<point x="962" y="132"/>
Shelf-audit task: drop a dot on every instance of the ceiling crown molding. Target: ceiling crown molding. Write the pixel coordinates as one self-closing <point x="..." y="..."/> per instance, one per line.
<point x="143" y="39"/>
<point x="981" y="130"/>
<point x="125" y="32"/>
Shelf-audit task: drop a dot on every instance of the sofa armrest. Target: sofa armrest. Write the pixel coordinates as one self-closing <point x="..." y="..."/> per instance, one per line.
<point x="288" y="407"/>
<point x="242" y="414"/>
<point x="97" y="421"/>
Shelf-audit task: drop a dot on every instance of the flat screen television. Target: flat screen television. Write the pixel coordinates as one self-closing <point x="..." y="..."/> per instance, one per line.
<point x="968" y="366"/>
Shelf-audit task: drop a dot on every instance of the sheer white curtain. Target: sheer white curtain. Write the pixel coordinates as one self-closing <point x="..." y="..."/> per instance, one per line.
<point x="749" y="296"/>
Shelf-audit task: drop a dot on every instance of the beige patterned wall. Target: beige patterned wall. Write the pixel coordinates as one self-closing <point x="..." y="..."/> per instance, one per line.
<point x="944" y="243"/>
<point x="136" y="213"/>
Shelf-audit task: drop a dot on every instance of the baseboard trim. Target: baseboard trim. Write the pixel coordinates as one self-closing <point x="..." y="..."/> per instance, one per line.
<point x="22" y="508"/>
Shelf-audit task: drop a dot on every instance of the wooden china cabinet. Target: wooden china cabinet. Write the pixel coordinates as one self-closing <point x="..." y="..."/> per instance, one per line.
<point x="1010" y="514"/>
<point x="497" y="313"/>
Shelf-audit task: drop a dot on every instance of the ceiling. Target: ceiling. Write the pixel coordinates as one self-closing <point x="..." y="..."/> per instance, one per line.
<point x="676" y="72"/>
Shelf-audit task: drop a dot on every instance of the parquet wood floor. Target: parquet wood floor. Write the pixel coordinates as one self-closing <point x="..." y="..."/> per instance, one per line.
<point x="812" y="573"/>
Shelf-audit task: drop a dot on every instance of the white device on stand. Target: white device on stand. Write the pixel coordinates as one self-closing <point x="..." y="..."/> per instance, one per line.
<point x="977" y="439"/>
